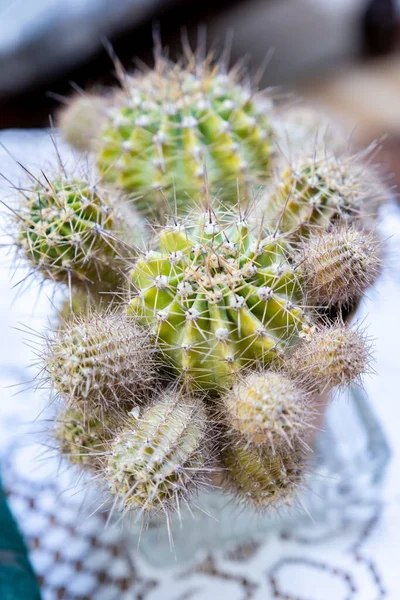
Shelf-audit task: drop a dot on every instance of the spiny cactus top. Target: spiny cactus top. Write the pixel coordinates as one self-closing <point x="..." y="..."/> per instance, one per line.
<point x="70" y="232"/>
<point x="218" y="296"/>
<point x="318" y="189"/>
<point x="175" y="129"/>
<point x="160" y="458"/>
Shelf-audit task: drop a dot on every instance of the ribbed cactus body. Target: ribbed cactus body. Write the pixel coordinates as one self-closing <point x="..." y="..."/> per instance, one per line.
<point x="160" y="457"/>
<point x="267" y="408"/>
<point x="103" y="360"/>
<point x="70" y="232"/>
<point x="217" y="297"/>
<point x="262" y="479"/>
<point x="174" y="130"/>
<point x="82" y="437"/>
<point x="316" y="190"/>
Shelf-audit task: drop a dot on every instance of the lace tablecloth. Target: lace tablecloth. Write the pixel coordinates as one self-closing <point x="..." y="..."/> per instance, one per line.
<point x="76" y="558"/>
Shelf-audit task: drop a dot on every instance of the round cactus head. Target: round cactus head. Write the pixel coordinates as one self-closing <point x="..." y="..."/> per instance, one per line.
<point x="161" y="456"/>
<point x="319" y="188"/>
<point x="101" y="360"/>
<point x="262" y="479"/>
<point x="339" y="265"/>
<point x="80" y="119"/>
<point x="331" y="356"/>
<point x="176" y="128"/>
<point x="70" y="231"/>
<point x="268" y="408"/>
<point x="218" y="296"/>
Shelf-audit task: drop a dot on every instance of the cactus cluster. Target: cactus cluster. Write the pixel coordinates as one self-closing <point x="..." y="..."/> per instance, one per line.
<point x="231" y="320"/>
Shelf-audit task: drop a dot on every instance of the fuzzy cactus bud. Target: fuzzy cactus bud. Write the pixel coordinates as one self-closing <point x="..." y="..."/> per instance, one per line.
<point x="330" y="357"/>
<point x="103" y="360"/>
<point x="162" y="456"/>
<point x="71" y="232"/>
<point x="261" y="479"/>
<point x="318" y="189"/>
<point x="82" y="436"/>
<point x="81" y="119"/>
<point x="339" y="265"/>
<point x="268" y="408"/>
<point x="174" y="130"/>
<point x="218" y="296"/>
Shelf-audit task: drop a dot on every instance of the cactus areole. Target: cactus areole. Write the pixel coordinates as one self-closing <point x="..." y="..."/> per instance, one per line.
<point x="218" y="297"/>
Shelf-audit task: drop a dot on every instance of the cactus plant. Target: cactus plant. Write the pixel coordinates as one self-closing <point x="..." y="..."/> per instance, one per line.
<point x="82" y="436"/>
<point x="268" y="408"/>
<point x="331" y="356"/>
<point x="162" y="456"/>
<point x="217" y="296"/>
<point x="319" y="188"/>
<point x="80" y="119"/>
<point x="101" y="360"/>
<point x="172" y="130"/>
<point x="262" y="479"/>
<point x="73" y="233"/>
<point x="339" y="265"/>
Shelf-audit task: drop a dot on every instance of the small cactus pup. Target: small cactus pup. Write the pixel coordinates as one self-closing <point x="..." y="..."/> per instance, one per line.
<point x="319" y="188"/>
<point x="103" y="360"/>
<point x="218" y="296"/>
<point x="81" y="118"/>
<point x="175" y="130"/>
<point x="268" y="408"/>
<point x="328" y="357"/>
<point x="71" y="232"/>
<point x="260" y="478"/>
<point x="339" y="265"/>
<point x="161" y="457"/>
<point x="82" y="436"/>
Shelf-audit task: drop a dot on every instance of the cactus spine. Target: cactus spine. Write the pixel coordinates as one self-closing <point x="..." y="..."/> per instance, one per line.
<point x="176" y="128"/>
<point x="161" y="457"/>
<point x="218" y="297"/>
<point x="81" y="118"/>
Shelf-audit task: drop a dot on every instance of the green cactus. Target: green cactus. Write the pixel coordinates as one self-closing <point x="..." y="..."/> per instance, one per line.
<point x="101" y="360"/>
<point x="174" y="130"/>
<point x="217" y="296"/>
<point x="82" y="437"/>
<point x="162" y="456"/>
<point x="268" y="408"/>
<point x="339" y="265"/>
<point x="319" y="188"/>
<point x="260" y="478"/>
<point x="71" y="232"/>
